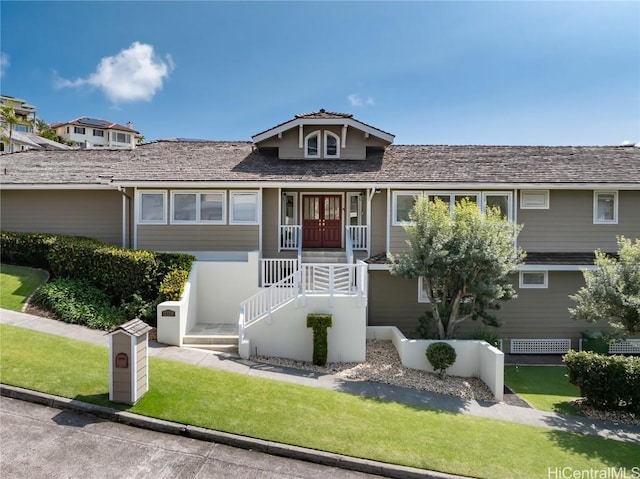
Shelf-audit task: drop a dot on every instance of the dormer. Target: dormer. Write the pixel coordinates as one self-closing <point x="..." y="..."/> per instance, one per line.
<point x="323" y="135"/>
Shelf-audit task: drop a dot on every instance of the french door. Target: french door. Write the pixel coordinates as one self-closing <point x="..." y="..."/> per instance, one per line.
<point x="321" y="221"/>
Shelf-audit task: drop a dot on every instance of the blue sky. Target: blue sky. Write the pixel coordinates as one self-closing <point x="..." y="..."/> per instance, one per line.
<point x="537" y="73"/>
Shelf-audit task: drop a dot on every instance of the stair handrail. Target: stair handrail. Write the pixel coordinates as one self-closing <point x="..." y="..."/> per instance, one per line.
<point x="269" y="298"/>
<point x="349" y="245"/>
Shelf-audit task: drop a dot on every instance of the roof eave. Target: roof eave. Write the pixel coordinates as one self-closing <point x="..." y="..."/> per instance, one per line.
<point x="323" y="121"/>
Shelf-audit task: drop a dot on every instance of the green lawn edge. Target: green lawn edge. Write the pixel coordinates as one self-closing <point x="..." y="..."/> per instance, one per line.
<point x="544" y="387"/>
<point x="17" y="284"/>
<point x="306" y="416"/>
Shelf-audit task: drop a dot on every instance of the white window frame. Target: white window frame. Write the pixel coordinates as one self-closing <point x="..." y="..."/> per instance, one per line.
<point x="524" y="205"/>
<point x="394" y="206"/>
<point x="142" y="221"/>
<point x="524" y="285"/>
<point x="328" y="134"/>
<point x="79" y="130"/>
<point x="232" y="195"/>
<point x="306" y="144"/>
<point x="360" y="213"/>
<point x="422" y="297"/>
<point x="509" y="196"/>
<point x="596" y="194"/>
<point x="295" y="219"/>
<point x="98" y="132"/>
<point x="198" y="219"/>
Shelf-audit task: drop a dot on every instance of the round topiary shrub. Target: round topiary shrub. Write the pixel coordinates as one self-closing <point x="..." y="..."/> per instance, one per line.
<point x="441" y="356"/>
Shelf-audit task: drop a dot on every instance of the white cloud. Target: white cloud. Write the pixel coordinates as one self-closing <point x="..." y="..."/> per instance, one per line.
<point x="4" y="63"/>
<point x="355" y="99"/>
<point x="134" y="74"/>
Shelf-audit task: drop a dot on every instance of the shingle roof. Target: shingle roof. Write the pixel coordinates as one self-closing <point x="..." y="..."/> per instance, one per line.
<point x="95" y="122"/>
<point x="177" y="161"/>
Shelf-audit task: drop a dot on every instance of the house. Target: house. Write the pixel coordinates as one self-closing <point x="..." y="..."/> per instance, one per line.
<point x="23" y="136"/>
<point x="325" y="188"/>
<point x="94" y="133"/>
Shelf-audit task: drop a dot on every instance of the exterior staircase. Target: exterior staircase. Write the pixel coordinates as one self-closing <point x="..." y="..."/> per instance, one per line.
<point x="218" y="337"/>
<point x="324" y="256"/>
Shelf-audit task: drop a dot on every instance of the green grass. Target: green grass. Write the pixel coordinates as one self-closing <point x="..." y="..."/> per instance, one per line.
<point x="17" y="283"/>
<point x="306" y="416"/>
<point x="545" y="387"/>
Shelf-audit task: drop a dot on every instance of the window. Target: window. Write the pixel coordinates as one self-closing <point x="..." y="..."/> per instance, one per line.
<point x="605" y="207"/>
<point x="244" y="207"/>
<point x="189" y="207"/>
<point x="534" y="199"/>
<point x="499" y="200"/>
<point x="152" y="207"/>
<point x="422" y="292"/>
<point x="355" y="209"/>
<point x="78" y="130"/>
<point x="98" y="132"/>
<point x="289" y="208"/>
<point x="120" y="137"/>
<point x="331" y="145"/>
<point x="534" y="279"/>
<point x="312" y="145"/>
<point x="403" y="202"/>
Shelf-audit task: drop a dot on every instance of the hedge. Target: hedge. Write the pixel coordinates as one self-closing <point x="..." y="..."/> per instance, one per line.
<point x="26" y="249"/>
<point x="319" y="324"/>
<point x="606" y="382"/>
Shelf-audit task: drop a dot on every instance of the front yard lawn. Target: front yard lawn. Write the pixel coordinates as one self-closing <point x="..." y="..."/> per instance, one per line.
<point x="308" y="417"/>
<point x="17" y="283"/>
<point x="545" y="387"/>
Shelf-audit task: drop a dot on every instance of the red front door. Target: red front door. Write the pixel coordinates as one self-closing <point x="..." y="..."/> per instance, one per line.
<point x="321" y="221"/>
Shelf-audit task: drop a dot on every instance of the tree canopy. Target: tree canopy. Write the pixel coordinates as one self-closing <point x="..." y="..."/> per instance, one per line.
<point x="466" y="261"/>
<point x="612" y="291"/>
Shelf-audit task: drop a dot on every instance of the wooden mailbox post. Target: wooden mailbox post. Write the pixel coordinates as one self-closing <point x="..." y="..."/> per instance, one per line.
<point x="128" y="362"/>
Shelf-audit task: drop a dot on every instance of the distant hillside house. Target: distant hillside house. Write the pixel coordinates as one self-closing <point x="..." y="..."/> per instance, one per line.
<point x="95" y="133"/>
<point x="23" y="136"/>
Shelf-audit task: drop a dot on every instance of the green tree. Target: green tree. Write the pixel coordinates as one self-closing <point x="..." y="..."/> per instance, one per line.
<point x="11" y="119"/>
<point x="612" y="291"/>
<point x="45" y="131"/>
<point x="466" y="261"/>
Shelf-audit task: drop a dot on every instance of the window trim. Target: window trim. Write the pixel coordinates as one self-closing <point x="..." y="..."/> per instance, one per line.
<point x="613" y="221"/>
<point x="98" y="132"/>
<point x="508" y="194"/>
<point x="79" y="130"/>
<point x="525" y="206"/>
<point x="139" y="218"/>
<point x="523" y="285"/>
<point x="232" y="220"/>
<point x="422" y="297"/>
<point x="394" y="205"/>
<point x="306" y="144"/>
<point x="198" y="220"/>
<point x="328" y="134"/>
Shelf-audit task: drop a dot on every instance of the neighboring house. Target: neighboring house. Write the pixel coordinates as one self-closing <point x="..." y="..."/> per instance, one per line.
<point x="94" y="133"/>
<point x="326" y="183"/>
<point x="23" y="136"/>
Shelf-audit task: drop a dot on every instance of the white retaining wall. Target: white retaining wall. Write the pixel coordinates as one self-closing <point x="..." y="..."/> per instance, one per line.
<point x="474" y="358"/>
<point x="176" y="317"/>
<point x="287" y="336"/>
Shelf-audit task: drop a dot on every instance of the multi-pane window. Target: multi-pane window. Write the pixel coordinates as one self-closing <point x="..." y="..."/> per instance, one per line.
<point x="331" y="145"/>
<point x="153" y="207"/>
<point x="120" y="137"/>
<point x="79" y="130"/>
<point x="97" y="132"/>
<point x="244" y="207"/>
<point x="197" y="207"/>
<point x="312" y="145"/>
<point x="534" y="279"/>
<point x="605" y="207"/>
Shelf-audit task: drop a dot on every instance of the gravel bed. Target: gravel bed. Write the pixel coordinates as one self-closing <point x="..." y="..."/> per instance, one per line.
<point x="621" y="417"/>
<point x="383" y="366"/>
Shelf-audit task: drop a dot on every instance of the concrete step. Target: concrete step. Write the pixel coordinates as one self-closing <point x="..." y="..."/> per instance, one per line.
<point x="324" y="256"/>
<point x="219" y="348"/>
<point x="213" y="339"/>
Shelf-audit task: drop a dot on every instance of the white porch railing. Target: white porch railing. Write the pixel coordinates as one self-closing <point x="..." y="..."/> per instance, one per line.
<point x="310" y="278"/>
<point x="273" y="270"/>
<point x="290" y="236"/>
<point x="358" y="236"/>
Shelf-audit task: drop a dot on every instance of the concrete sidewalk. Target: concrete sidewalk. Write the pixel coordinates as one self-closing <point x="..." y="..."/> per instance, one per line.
<point x="428" y="400"/>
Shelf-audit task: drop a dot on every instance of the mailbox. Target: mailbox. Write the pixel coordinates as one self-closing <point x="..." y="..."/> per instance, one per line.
<point x="128" y="362"/>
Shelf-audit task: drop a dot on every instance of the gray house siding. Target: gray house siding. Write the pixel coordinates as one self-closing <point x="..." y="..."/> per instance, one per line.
<point x="198" y="237"/>
<point x="568" y="223"/>
<point x="97" y="214"/>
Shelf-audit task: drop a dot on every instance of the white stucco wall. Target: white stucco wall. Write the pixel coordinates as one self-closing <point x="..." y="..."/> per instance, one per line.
<point x="223" y="285"/>
<point x="287" y="334"/>
<point x="172" y="328"/>
<point x="474" y="358"/>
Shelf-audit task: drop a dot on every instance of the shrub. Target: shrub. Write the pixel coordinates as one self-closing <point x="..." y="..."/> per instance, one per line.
<point x="606" y="382"/>
<point x="441" y="356"/>
<point x="78" y="302"/>
<point x="170" y="261"/>
<point x="118" y="271"/>
<point x="26" y="249"/>
<point x="487" y="334"/>
<point x="172" y="285"/>
<point x="319" y="323"/>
